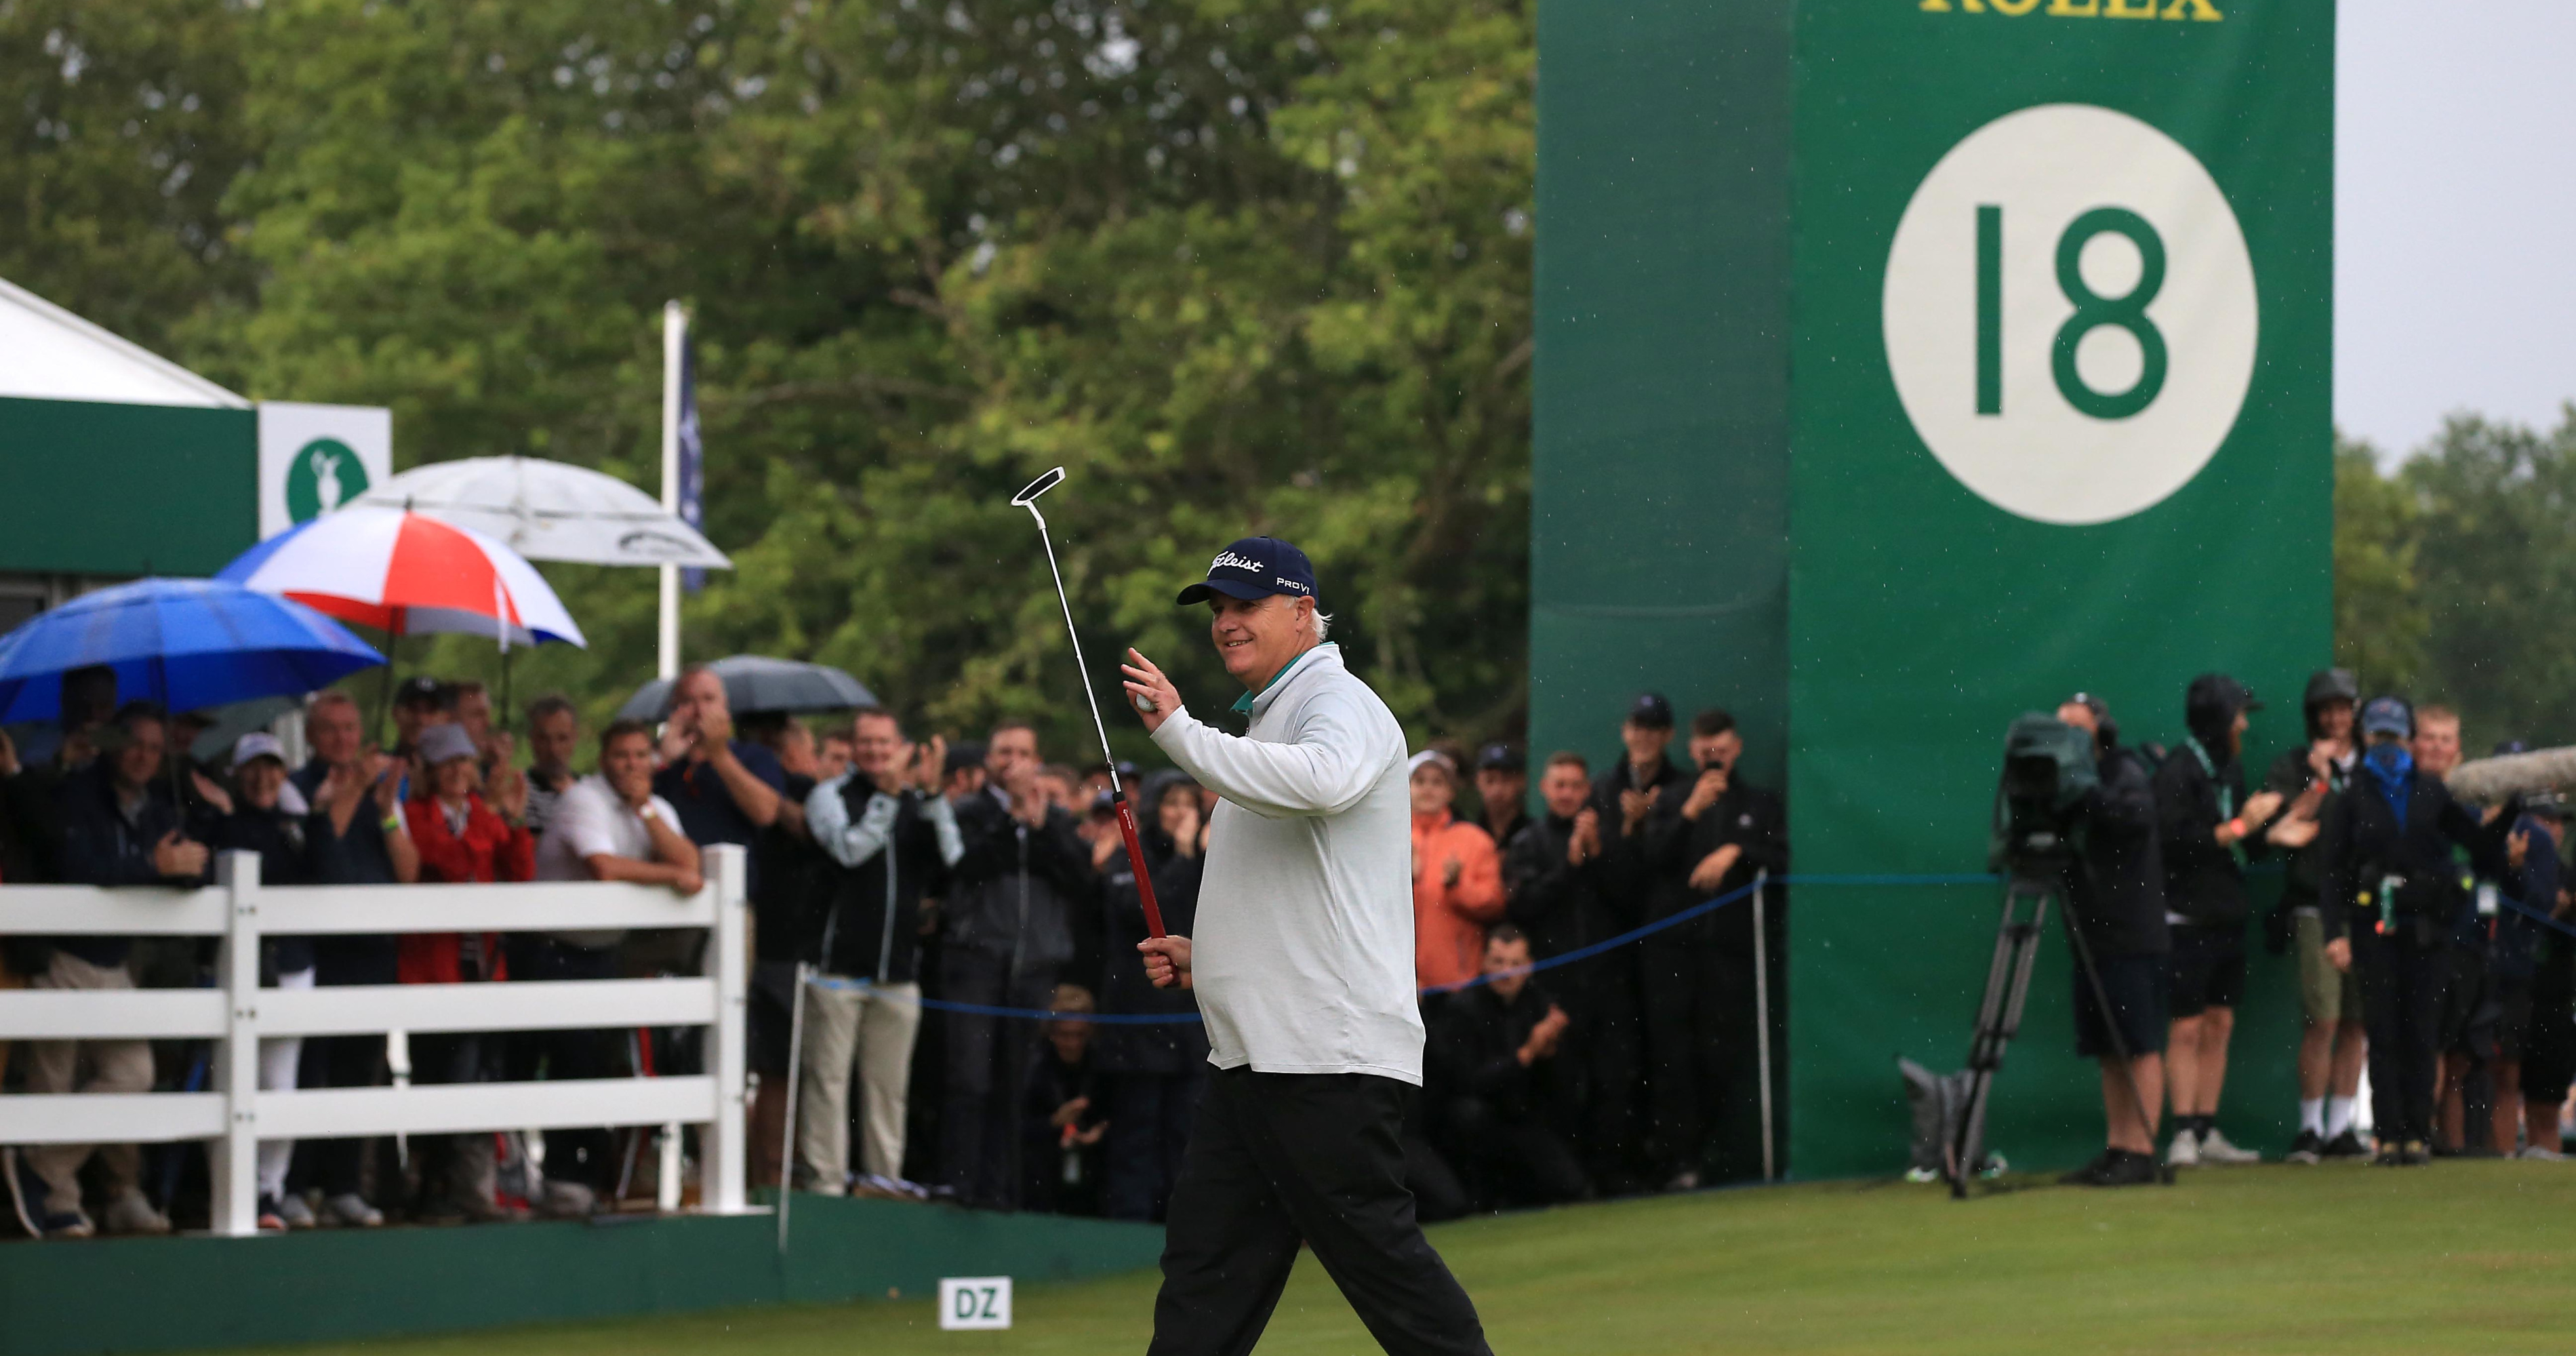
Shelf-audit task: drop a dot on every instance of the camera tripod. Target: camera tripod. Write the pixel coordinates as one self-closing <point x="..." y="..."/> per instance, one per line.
<point x="2027" y="894"/>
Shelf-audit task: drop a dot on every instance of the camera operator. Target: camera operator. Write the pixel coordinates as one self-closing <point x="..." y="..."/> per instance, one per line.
<point x="2332" y="1042"/>
<point x="2115" y="895"/>
<point x="2392" y="897"/>
<point x="2208" y="826"/>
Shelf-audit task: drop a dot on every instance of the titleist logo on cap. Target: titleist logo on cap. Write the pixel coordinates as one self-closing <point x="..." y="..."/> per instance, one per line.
<point x="1228" y="559"/>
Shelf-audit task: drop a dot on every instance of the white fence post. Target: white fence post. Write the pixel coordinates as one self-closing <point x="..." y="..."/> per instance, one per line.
<point x="721" y="1169"/>
<point x="235" y="1157"/>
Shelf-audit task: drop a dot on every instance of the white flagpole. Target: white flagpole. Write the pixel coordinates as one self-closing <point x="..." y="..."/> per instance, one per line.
<point x="675" y="334"/>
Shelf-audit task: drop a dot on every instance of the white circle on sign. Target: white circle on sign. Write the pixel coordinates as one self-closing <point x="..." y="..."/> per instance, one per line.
<point x="1985" y="384"/>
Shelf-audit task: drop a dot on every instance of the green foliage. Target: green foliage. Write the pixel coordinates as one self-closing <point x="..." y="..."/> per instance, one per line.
<point x="128" y="127"/>
<point x="2447" y="576"/>
<point x="2379" y="612"/>
<point x="1238" y="268"/>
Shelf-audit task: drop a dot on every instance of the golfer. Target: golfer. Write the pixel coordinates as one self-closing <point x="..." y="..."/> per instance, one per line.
<point x="1303" y="966"/>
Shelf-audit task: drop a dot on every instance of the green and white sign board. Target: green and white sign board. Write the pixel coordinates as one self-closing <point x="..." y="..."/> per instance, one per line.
<point x="314" y="458"/>
<point x="1904" y="365"/>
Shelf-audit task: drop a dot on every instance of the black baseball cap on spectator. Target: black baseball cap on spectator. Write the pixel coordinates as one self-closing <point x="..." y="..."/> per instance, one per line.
<point x="1500" y="758"/>
<point x="2332" y="685"/>
<point x="1103" y="804"/>
<point x="420" y="690"/>
<point x="1651" y="710"/>
<point x="963" y="756"/>
<point x="1255" y="567"/>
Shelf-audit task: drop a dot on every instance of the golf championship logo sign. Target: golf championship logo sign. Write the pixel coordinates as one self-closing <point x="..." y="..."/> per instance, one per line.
<point x="316" y="458"/>
<point x="2070" y="314"/>
<point x="323" y="475"/>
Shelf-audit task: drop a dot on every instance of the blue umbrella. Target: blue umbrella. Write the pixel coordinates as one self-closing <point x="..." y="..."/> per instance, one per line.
<point x="186" y="643"/>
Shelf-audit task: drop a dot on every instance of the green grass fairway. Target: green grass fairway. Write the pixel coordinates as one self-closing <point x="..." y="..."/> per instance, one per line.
<point x="2456" y="1257"/>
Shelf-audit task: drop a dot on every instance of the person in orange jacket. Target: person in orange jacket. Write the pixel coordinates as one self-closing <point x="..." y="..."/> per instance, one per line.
<point x="463" y="839"/>
<point x="1457" y="878"/>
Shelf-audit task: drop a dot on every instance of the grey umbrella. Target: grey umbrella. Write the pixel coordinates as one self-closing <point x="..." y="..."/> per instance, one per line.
<point x="758" y="683"/>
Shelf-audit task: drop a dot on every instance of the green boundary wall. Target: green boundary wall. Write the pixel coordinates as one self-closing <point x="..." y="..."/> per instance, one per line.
<point x="172" y="1294"/>
<point x="1732" y="505"/>
<point x="89" y="487"/>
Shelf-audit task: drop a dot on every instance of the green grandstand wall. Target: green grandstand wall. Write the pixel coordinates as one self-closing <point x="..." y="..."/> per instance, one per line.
<point x="1882" y="481"/>
<point x="193" y="1293"/>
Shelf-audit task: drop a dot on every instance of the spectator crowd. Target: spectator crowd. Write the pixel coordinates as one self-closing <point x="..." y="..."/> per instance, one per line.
<point x="2431" y="938"/>
<point x="908" y="893"/>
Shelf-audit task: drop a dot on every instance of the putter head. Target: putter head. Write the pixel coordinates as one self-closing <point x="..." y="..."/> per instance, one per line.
<point x="1039" y="486"/>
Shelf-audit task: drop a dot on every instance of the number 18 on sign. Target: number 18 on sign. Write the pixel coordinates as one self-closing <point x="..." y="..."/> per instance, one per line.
<point x="973" y="1302"/>
<point x="2070" y="314"/>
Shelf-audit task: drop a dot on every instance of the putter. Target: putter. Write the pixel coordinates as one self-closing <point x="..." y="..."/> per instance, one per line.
<point x="1028" y="499"/>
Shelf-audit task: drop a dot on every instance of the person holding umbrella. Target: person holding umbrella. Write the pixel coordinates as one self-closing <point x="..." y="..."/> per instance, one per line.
<point x="120" y="827"/>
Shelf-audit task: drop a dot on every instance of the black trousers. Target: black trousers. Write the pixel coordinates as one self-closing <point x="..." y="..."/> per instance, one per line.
<point x="988" y="1059"/>
<point x="1279" y="1158"/>
<point x="1514" y="1159"/>
<point x="1703" y="1108"/>
<point x="1603" y="1044"/>
<point x="2401" y="1006"/>
<point x="1149" y="1126"/>
<point x="587" y="1155"/>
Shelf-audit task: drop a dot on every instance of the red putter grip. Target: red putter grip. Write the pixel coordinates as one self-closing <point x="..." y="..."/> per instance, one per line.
<point x="1136" y="862"/>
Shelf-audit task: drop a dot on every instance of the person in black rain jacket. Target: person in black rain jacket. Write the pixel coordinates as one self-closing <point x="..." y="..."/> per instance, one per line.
<point x="1149" y="1074"/>
<point x="2392" y="897"/>
<point x="1557" y="890"/>
<point x="2208" y="828"/>
<point x="1498" y="1072"/>
<point x="1006" y="931"/>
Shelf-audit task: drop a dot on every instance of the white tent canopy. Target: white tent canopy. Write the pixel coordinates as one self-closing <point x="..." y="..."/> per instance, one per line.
<point x="55" y="355"/>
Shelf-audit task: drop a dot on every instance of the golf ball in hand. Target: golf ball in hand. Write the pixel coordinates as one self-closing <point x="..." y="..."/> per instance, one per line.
<point x="1146" y="705"/>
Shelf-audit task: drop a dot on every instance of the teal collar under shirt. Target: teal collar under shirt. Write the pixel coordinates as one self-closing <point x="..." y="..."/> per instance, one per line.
<point x="1244" y="702"/>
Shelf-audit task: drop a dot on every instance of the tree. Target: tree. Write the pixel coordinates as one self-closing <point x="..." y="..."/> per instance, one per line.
<point x="1238" y="268"/>
<point x="2379" y="620"/>
<point x="129" y="131"/>
<point x="2495" y="555"/>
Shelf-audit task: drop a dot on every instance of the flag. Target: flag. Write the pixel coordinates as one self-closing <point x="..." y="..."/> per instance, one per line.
<point x="693" y="469"/>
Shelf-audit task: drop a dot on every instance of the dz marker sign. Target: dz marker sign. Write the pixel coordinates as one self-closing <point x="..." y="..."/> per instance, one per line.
<point x="2070" y="314"/>
<point x="972" y="1302"/>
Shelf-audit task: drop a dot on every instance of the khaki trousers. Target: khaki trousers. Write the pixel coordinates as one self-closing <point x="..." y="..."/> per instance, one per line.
<point x="872" y="1027"/>
<point x="111" y="1066"/>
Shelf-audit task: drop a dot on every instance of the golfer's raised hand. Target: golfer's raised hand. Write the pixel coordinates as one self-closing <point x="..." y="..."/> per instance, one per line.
<point x="1146" y="686"/>
<point x="1167" y="961"/>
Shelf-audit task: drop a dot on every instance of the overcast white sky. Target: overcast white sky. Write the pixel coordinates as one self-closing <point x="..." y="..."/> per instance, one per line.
<point x="2455" y="214"/>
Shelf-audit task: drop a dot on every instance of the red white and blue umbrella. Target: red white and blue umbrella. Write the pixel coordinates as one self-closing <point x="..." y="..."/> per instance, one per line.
<point x="407" y="574"/>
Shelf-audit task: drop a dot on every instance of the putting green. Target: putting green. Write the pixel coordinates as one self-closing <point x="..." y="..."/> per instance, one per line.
<point x="2345" y="1259"/>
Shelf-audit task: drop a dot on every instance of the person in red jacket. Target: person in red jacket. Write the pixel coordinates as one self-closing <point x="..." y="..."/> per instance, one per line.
<point x="1457" y="879"/>
<point x="463" y="839"/>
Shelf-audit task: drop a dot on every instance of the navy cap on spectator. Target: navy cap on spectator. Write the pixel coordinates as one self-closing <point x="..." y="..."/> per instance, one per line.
<point x="962" y="757"/>
<point x="2388" y="715"/>
<point x="1500" y="758"/>
<point x="1652" y="711"/>
<point x="420" y="690"/>
<point x="1255" y="567"/>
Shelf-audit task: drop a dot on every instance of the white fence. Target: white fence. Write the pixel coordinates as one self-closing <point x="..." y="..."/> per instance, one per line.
<point x="237" y="1012"/>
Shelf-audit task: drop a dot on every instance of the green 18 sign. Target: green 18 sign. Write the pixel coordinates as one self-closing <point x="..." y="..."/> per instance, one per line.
<point x="2070" y="314"/>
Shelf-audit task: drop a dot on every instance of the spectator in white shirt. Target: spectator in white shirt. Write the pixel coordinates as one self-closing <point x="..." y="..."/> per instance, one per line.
<point x="607" y="826"/>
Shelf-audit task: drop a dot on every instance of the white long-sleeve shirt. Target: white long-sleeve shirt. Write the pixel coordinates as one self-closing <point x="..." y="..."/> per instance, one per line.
<point x="1303" y="958"/>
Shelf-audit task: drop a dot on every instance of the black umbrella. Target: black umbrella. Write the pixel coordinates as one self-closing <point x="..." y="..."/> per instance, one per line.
<point x="758" y="683"/>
